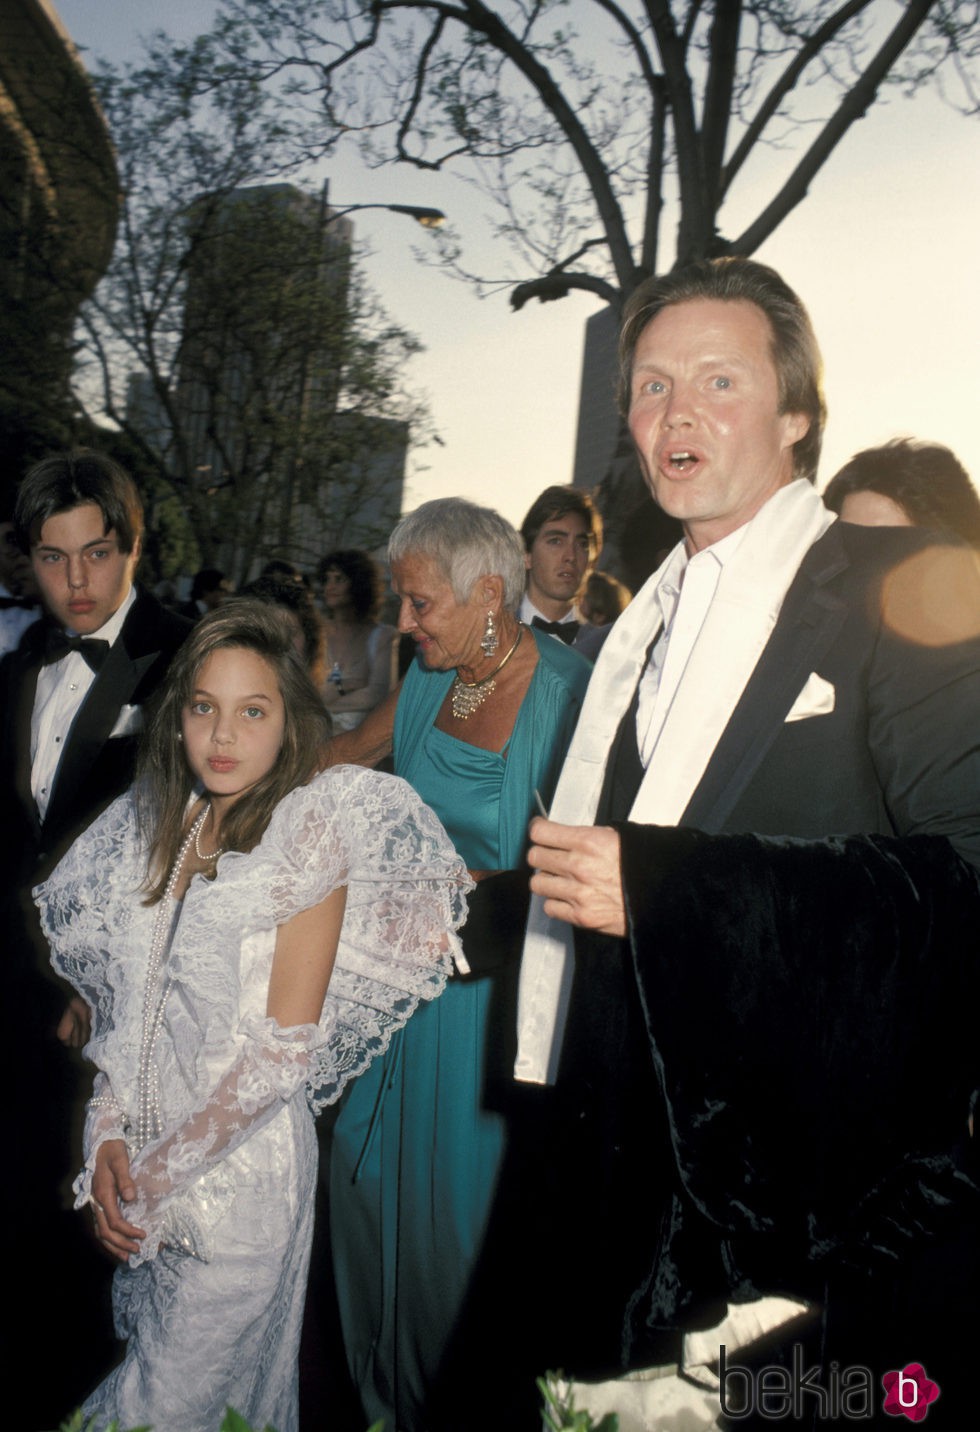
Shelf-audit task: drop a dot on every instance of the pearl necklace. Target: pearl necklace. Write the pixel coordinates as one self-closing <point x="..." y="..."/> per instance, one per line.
<point x="148" y="1121"/>
<point x="469" y="696"/>
<point x="198" y="827"/>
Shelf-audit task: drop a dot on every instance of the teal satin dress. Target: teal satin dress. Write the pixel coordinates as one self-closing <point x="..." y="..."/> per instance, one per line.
<point x="416" y="1150"/>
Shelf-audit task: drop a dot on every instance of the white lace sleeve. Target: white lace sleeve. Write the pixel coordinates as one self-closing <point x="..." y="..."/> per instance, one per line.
<point x="93" y="917"/>
<point x="406" y="890"/>
<point x="104" y="1120"/>
<point x="273" y="1064"/>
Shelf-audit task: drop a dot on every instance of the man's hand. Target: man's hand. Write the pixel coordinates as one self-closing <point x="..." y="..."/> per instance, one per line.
<point x="75" y="1025"/>
<point x="578" y="874"/>
<point x="112" y="1183"/>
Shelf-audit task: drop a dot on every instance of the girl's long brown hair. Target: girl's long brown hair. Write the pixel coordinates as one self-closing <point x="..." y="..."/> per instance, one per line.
<point x="164" y="782"/>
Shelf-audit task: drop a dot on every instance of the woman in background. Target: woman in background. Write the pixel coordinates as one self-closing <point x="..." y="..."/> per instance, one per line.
<point x="481" y="724"/>
<point x="361" y="652"/>
<point x="907" y="484"/>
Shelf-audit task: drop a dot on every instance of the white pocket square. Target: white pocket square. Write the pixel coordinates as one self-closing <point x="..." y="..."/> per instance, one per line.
<point x="128" y="722"/>
<point x="816" y="699"/>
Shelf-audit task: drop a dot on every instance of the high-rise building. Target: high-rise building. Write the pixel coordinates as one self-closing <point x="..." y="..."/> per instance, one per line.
<point x="270" y="458"/>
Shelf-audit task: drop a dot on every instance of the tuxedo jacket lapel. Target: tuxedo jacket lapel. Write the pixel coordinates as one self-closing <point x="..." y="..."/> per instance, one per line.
<point x="90" y="731"/>
<point x="810" y="619"/>
<point x="94" y="768"/>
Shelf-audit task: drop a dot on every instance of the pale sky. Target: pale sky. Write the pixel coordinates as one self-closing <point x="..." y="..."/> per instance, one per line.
<point x="880" y="251"/>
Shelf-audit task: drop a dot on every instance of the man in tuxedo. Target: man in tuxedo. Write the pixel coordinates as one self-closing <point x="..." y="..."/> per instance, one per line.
<point x="73" y="694"/>
<point x="766" y="840"/>
<point x="562" y="536"/>
<point x="71" y="704"/>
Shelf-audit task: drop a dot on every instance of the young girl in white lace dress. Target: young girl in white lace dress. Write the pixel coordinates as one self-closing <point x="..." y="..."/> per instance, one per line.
<point x="248" y="940"/>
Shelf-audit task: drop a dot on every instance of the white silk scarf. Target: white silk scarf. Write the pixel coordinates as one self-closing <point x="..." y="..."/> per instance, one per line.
<point x="751" y="588"/>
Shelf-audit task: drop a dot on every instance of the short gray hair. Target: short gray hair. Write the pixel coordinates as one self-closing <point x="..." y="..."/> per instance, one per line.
<point x="466" y="542"/>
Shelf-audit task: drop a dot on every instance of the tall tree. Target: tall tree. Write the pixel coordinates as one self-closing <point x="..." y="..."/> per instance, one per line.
<point x="232" y="339"/>
<point x="587" y="121"/>
<point x="592" y="125"/>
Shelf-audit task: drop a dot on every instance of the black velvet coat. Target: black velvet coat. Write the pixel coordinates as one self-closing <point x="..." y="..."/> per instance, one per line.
<point x="803" y="968"/>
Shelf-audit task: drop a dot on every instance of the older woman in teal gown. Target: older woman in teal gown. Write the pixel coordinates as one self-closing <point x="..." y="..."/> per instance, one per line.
<point x="480" y="724"/>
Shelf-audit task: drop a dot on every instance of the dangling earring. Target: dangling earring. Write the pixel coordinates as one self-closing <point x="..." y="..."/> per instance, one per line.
<point x="490" y="640"/>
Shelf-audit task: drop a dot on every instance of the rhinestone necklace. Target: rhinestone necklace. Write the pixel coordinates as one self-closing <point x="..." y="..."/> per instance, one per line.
<point x="469" y="696"/>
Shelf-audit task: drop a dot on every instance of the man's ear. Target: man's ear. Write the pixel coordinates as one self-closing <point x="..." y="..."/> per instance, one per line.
<point x="795" y="427"/>
<point x="527" y="561"/>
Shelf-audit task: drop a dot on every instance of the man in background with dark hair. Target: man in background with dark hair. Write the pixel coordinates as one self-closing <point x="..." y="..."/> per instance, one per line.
<point x="562" y="536"/>
<point x="209" y="589"/>
<point x="71" y="705"/>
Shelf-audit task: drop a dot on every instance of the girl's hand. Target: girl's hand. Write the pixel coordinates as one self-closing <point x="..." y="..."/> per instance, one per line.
<point x="75" y="1025"/>
<point x="112" y="1184"/>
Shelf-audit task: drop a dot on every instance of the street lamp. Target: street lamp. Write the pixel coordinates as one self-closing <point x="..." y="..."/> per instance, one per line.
<point x="428" y="218"/>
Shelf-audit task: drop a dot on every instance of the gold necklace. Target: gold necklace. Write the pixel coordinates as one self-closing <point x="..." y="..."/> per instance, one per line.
<point x="469" y="696"/>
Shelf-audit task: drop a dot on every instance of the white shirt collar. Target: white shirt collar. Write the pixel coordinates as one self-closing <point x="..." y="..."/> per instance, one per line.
<point x="528" y="611"/>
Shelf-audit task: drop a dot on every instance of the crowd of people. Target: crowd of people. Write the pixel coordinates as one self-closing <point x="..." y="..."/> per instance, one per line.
<point x="639" y="983"/>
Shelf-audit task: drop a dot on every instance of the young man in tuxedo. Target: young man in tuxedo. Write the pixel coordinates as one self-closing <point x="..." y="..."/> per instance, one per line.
<point x="562" y="535"/>
<point x="757" y="900"/>
<point x="74" y="692"/>
<point x="71" y="706"/>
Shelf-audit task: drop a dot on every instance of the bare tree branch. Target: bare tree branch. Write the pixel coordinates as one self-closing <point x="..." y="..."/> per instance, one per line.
<point x="558" y="285"/>
<point x="787" y="81"/>
<point x="853" y="107"/>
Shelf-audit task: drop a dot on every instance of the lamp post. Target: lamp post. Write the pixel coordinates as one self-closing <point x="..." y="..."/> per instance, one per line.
<point x="428" y="218"/>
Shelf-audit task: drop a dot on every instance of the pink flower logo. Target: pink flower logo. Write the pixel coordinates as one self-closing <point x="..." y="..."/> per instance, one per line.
<point x="908" y="1393"/>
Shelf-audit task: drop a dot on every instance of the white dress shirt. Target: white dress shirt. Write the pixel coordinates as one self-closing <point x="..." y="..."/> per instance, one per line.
<point x="684" y="595"/>
<point x="61" y="689"/>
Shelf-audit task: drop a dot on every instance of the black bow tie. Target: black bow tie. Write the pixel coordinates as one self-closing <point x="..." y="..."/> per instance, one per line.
<point x="565" y="631"/>
<point x="9" y="604"/>
<point x="58" y="644"/>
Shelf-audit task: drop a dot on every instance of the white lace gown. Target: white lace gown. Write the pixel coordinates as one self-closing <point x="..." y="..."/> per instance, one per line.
<point x="212" y="1306"/>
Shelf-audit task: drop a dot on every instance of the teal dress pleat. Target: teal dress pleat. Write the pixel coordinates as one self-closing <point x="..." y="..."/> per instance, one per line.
<point x="416" y="1151"/>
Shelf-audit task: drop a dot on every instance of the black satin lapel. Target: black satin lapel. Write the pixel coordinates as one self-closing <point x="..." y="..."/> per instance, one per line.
<point x="90" y="730"/>
<point x="808" y="624"/>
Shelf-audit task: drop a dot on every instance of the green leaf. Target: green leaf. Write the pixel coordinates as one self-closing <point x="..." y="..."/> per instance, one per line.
<point x="235" y="1422"/>
<point x="560" y="1413"/>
